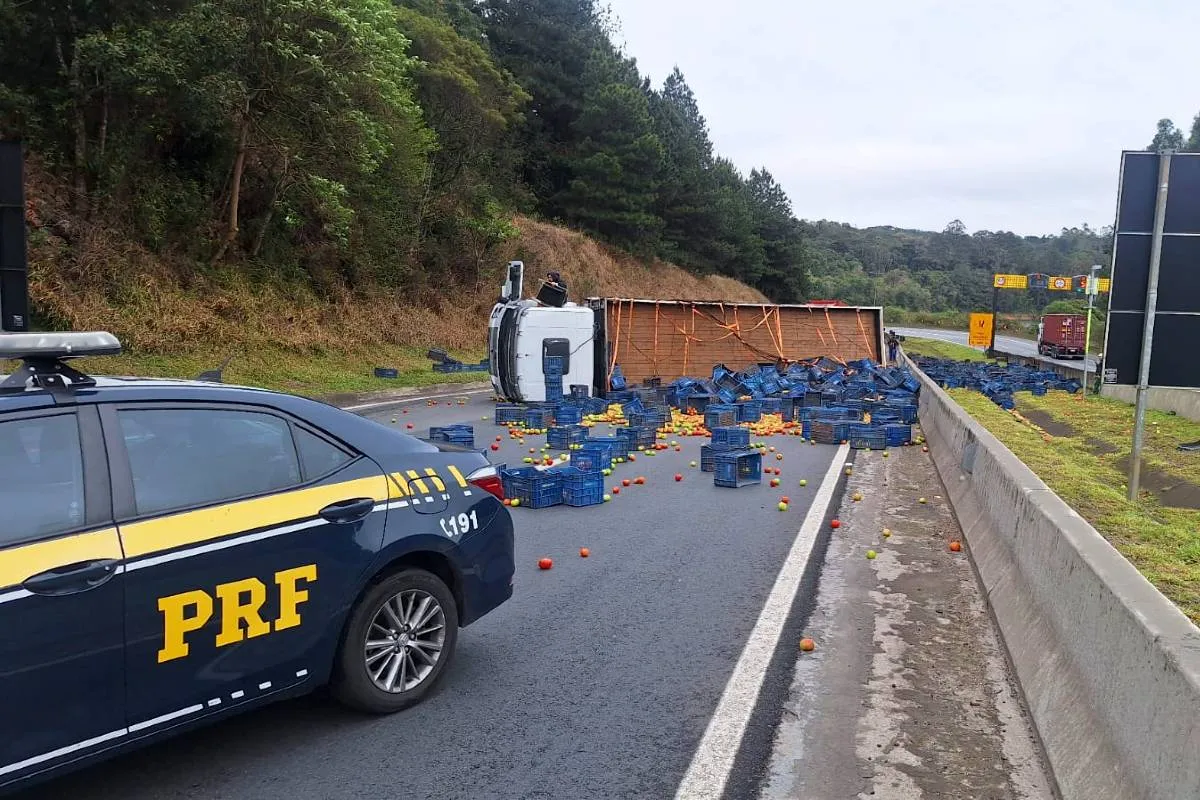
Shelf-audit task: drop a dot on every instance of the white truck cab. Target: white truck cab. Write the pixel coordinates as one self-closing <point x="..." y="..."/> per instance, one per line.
<point x="522" y="332"/>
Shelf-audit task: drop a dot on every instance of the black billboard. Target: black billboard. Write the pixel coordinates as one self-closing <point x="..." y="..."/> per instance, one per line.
<point x="1175" y="357"/>
<point x="14" y="281"/>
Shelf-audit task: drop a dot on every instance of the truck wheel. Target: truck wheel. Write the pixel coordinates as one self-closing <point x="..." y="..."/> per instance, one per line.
<point x="399" y="639"/>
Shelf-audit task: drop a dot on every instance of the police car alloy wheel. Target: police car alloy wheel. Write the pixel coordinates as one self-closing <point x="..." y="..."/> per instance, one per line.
<point x="399" y="640"/>
<point x="405" y="639"/>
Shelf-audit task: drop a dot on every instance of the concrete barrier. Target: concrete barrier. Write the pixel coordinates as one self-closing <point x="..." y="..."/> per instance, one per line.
<point x="1184" y="402"/>
<point x="1109" y="667"/>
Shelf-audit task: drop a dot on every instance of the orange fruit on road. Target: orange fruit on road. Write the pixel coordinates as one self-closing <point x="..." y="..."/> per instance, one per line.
<point x="584" y="552"/>
<point x="807" y="645"/>
<point x="545" y="563"/>
<point x="955" y="546"/>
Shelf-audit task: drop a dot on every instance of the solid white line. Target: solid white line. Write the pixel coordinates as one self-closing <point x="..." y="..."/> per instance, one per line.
<point x="150" y="723"/>
<point x="62" y="751"/>
<point x="713" y="760"/>
<point x="402" y="400"/>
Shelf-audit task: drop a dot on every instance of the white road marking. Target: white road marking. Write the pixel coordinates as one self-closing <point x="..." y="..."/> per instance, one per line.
<point x="714" y="757"/>
<point x="402" y="400"/>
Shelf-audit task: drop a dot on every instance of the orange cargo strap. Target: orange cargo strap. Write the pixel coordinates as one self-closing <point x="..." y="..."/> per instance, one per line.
<point x="655" y="359"/>
<point x="866" y="339"/>
<point x="820" y="335"/>
<point x="775" y="340"/>
<point x="832" y="333"/>
<point x="616" y="346"/>
<point x="779" y="333"/>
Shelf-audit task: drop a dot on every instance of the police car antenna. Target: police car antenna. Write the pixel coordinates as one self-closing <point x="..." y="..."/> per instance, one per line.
<point x="44" y="358"/>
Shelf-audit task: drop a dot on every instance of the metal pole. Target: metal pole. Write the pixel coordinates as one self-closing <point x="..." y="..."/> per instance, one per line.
<point x="991" y="351"/>
<point x="1087" y="330"/>
<point x="1139" y="414"/>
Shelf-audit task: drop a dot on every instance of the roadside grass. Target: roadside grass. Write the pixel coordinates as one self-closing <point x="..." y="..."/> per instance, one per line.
<point x="1085" y="470"/>
<point x="935" y="348"/>
<point x="310" y="374"/>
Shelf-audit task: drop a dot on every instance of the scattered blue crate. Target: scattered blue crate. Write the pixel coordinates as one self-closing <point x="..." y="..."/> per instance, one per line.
<point x="509" y="413"/>
<point x="553" y="365"/>
<point x="772" y="405"/>
<point x="828" y="431"/>
<point x="554" y="390"/>
<point x="749" y="411"/>
<point x="651" y="419"/>
<point x="616" y="380"/>
<point x="637" y="437"/>
<point x="633" y="406"/>
<point x="738" y="468"/>
<point x="561" y="437"/>
<point x="581" y="487"/>
<point x="461" y="434"/>
<point x="593" y="456"/>
<point x="866" y="437"/>
<point x="618" y="445"/>
<point x="535" y="488"/>
<point x="539" y="418"/>
<point x="720" y="415"/>
<point x="567" y="414"/>
<point x="708" y="458"/>
<point x="898" y="435"/>
<point x="595" y="405"/>
<point x="730" y="438"/>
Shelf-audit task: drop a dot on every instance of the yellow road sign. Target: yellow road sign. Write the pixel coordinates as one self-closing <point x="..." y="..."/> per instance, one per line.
<point x="1005" y="281"/>
<point x="980" y="333"/>
<point x="1105" y="283"/>
<point x="1060" y="284"/>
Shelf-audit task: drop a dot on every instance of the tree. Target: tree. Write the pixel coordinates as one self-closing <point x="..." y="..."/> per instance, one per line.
<point x="955" y="227"/>
<point x="1193" y="143"/>
<point x="785" y="268"/>
<point x="615" y="170"/>
<point x="1166" y="137"/>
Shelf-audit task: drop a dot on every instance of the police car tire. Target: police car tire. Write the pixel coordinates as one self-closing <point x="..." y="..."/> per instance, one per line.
<point x="351" y="684"/>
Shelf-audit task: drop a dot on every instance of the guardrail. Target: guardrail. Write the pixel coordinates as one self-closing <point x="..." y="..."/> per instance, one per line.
<point x="1110" y="669"/>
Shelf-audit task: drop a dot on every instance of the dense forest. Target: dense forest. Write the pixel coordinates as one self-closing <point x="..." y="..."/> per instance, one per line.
<point x="388" y="143"/>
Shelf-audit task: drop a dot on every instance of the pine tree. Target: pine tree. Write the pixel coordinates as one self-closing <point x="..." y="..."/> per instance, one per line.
<point x="1167" y="137"/>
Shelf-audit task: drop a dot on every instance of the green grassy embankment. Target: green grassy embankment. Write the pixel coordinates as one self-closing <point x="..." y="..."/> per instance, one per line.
<point x="1080" y="447"/>
<point x="935" y="348"/>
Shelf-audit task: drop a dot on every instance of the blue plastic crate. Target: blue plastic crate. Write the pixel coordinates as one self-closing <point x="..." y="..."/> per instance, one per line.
<point x="708" y="458"/>
<point x="749" y="411"/>
<point x="509" y="413"/>
<point x="727" y="394"/>
<point x="461" y="434"/>
<point x="637" y="437"/>
<point x="698" y="401"/>
<point x="553" y="365"/>
<point x="898" y="435"/>
<point x="827" y="431"/>
<point x="619" y="445"/>
<point x="718" y="416"/>
<point x="813" y="399"/>
<point x="560" y="437"/>
<point x="568" y="415"/>
<point x="651" y="419"/>
<point x="738" y="468"/>
<point x="582" y="487"/>
<point x="533" y="487"/>
<point x="617" y="380"/>
<point x="871" y="440"/>
<point x="595" y="405"/>
<point x="539" y="418"/>
<point x="593" y="456"/>
<point x="730" y="438"/>
<point x="772" y="405"/>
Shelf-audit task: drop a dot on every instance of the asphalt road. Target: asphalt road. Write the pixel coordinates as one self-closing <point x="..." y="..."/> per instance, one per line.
<point x="1006" y="344"/>
<point x="597" y="679"/>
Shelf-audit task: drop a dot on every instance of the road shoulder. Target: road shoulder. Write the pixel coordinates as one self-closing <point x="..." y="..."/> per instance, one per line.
<point x="908" y="694"/>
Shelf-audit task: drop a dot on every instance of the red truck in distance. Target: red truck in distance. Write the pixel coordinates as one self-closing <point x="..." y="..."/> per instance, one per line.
<point x="1062" y="335"/>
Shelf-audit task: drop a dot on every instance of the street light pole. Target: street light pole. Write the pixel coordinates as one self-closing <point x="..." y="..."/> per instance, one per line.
<point x="1092" y="288"/>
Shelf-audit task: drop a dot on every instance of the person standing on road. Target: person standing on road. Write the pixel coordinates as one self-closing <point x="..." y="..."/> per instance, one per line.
<point x="893" y="346"/>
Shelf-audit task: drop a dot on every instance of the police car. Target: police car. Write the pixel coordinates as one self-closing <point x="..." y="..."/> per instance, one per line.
<point x="172" y="552"/>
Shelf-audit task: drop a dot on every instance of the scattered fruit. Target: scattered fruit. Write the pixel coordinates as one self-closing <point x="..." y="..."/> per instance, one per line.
<point x="692" y="464"/>
<point x="803" y="482"/>
<point x="807" y="645"/>
<point x="785" y="499"/>
<point x="887" y="533"/>
<point x="774" y="483"/>
<point x="837" y="523"/>
<point x="616" y="490"/>
<point x="625" y="482"/>
<point x="640" y="480"/>
<point x="495" y="447"/>
<point x="516" y="501"/>
<point x="779" y="456"/>
<point x="507" y="502"/>
<point x="922" y="501"/>
<point x="871" y="554"/>
<point x="783" y="506"/>
<point x="678" y="477"/>
<point x="924" y="449"/>
<point x="606" y="471"/>
<point x="584" y="552"/>
<point x="409" y="426"/>
<point x="393" y="420"/>
<point x="955" y="546"/>
<point x="545" y="563"/>
<point x="857" y="497"/>
<point x="885" y="453"/>
<point x="849" y="470"/>
<point x="607" y="497"/>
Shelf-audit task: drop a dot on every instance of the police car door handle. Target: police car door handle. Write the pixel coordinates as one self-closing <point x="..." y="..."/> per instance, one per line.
<point x="348" y="510"/>
<point x="72" y="578"/>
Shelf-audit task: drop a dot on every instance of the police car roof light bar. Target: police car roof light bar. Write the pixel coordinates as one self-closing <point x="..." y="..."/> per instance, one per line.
<point x="44" y="355"/>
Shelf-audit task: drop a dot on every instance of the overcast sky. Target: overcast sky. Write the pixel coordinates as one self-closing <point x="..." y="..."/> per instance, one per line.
<point x="1006" y="114"/>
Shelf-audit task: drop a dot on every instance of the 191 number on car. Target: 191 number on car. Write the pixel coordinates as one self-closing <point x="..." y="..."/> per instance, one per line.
<point x="460" y="524"/>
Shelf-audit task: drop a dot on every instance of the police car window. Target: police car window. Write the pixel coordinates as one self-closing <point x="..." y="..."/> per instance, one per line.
<point x="41" y="477"/>
<point x="317" y="456"/>
<point x="183" y="458"/>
